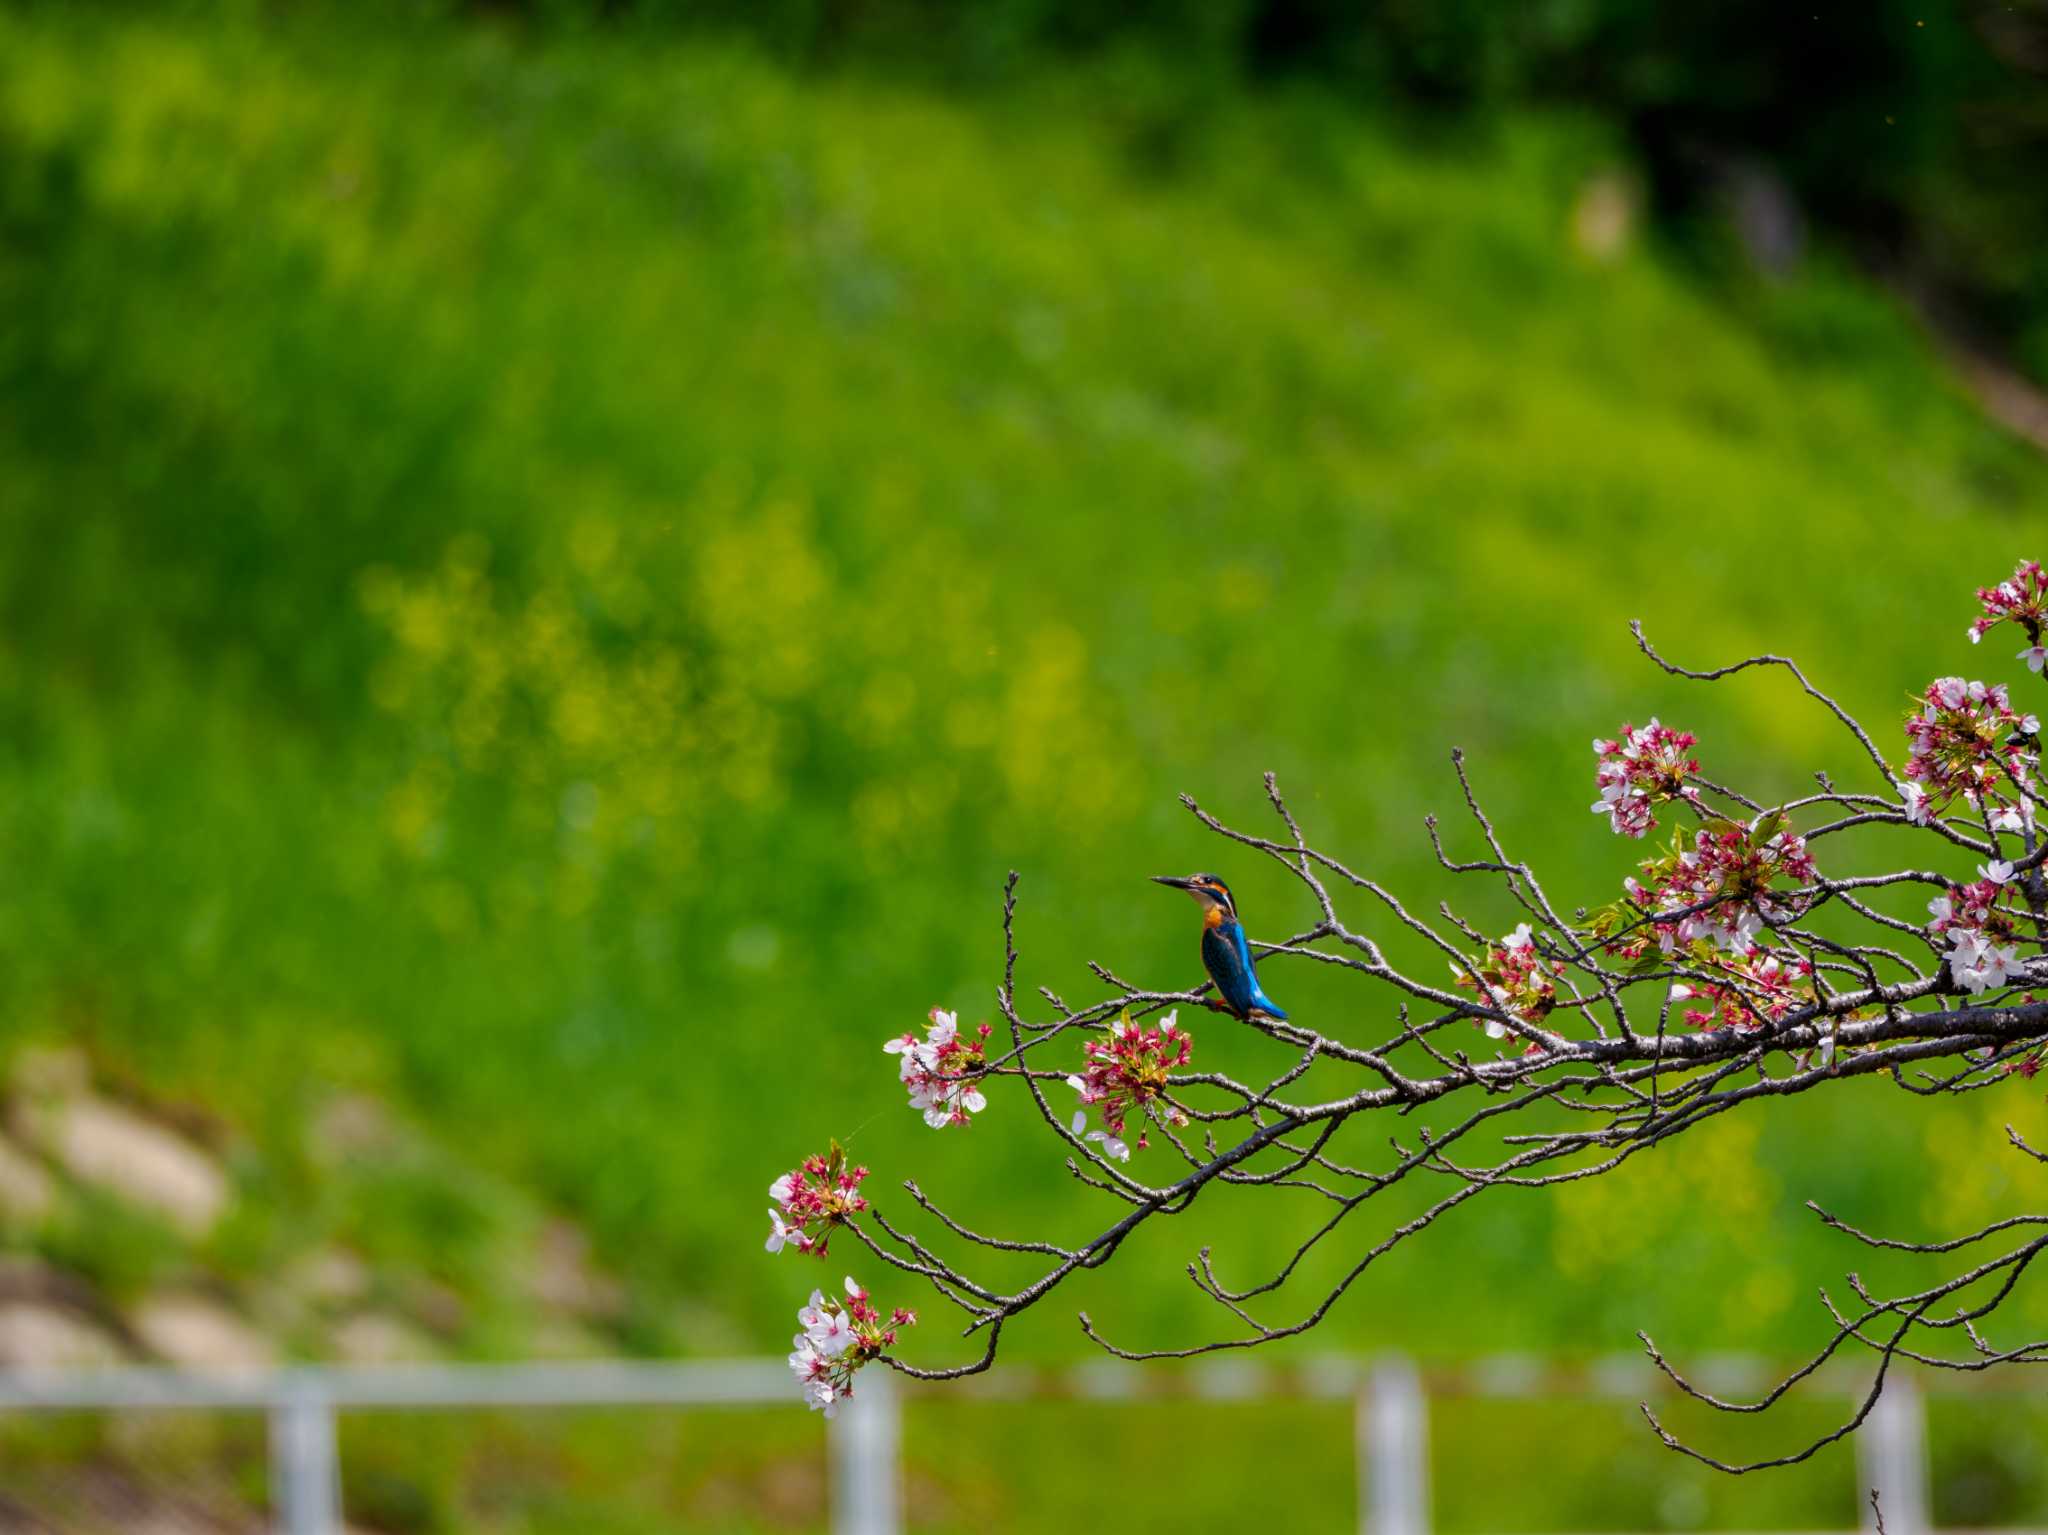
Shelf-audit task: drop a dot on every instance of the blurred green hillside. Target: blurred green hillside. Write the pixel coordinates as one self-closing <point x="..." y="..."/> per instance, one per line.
<point x="1907" y="132"/>
<point x="545" y="585"/>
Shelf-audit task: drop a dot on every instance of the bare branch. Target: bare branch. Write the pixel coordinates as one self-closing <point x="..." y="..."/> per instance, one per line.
<point x="1731" y="974"/>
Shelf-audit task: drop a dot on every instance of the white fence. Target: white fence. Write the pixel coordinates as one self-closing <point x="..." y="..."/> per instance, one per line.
<point x="1390" y="1402"/>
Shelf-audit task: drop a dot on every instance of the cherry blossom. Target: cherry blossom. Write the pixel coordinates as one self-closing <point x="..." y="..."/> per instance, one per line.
<point x="1128" y="1070"/>
<point x="816" y="1196"/>
<point x="1916" y="803"/>
<point x="1955" y="746"/>
<point x="2017" y="819"/>
<point x="1517" y="981"/>
<point x="2027" y="1065"/>
<point x="1967" y="908"/>
<point x="827" y="1327"/>
<point x="1981" y="923"/>
<point x="838" y="1339"/>
<point x="1113" y="1146"/>
<point x="1746" y="991"/>
<point x="2022" y="599"/>
<point x="1720" y="887"/>
<point x="1979" y="964"/>
<point x="1644" y="767"/>
<point x="941" y="1071"/>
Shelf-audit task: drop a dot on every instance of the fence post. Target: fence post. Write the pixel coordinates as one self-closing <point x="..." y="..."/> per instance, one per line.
<point x="1891" y="1457"/>
<point x="1393" y="1452"/>
<point x="305" y="1481"/>
<point x="866" y="1442"/>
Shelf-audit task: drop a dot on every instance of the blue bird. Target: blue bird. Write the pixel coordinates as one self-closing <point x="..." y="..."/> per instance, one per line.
<point x="1225" y="953"/>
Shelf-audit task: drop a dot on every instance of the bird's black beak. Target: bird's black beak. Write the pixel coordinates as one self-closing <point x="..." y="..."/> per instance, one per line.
<point x="1174" y="880"/>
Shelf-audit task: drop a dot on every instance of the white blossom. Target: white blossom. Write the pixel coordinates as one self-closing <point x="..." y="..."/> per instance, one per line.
<point x="1980" y="965"/>
<point x="1112" y="1147"/>
<point x="2014" y="818"/>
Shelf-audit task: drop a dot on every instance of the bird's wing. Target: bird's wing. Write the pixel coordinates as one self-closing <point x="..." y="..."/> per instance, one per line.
<point x="1244" y="954"/>
<point x="1255" y="993"/>
<point x="1229" y="963"/>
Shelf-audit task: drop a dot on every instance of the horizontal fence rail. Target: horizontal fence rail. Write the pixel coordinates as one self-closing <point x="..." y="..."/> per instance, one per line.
<point x="1390" y="1400"/>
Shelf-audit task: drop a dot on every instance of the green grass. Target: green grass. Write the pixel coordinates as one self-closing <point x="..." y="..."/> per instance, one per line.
<point x="548" y="581"/>
<point x="976" y="1465"/>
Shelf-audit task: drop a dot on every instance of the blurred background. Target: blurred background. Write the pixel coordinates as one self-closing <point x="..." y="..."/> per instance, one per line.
<point x="553" y="554"/>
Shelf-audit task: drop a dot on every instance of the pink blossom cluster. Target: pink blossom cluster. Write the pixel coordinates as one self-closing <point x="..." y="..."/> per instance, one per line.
<point x="940" y="1071"/>
<point x="2022" y="600"/>
<point x="1977" y="919"/>
<point x="813" y="1198"/>
<point x="1955" y="749"/>
<point x="838" y="1339"/>
<point x="1980" y="963"/>
<point x="1517" y="981"/>
<point x="1723" y="884"/>
<point x="1128" y="1070"/>
<point x="1642" y="768"/>
<point x="1977" y="907"/>
<point x="2027" y="1065"/>
<point x="1760" y="987"/>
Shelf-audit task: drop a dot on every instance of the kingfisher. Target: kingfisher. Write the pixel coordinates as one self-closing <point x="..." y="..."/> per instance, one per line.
<point x="1225" y="953"/>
